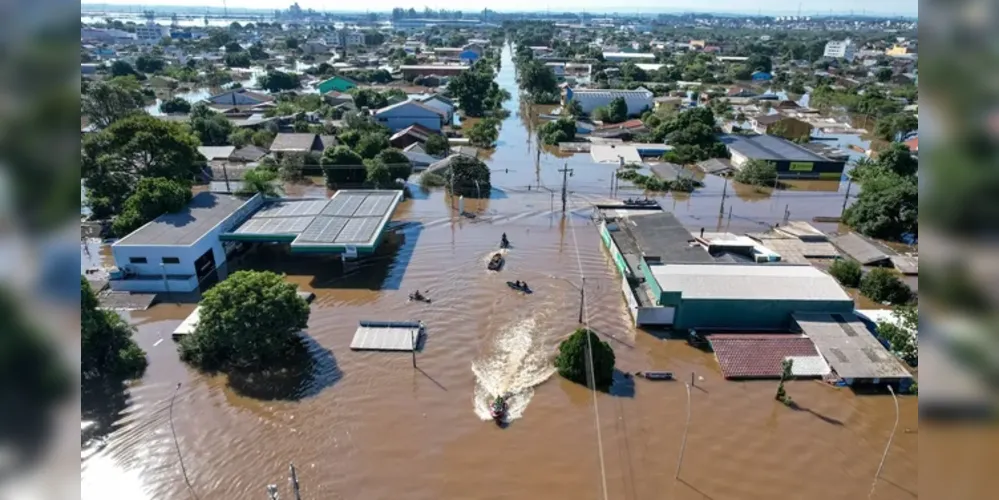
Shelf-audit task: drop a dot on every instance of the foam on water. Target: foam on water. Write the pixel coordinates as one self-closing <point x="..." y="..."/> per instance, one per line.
<point x="518" y="362"/>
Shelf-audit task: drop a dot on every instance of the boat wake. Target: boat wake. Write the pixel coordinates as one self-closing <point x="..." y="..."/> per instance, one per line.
<point x="518" y="363"/>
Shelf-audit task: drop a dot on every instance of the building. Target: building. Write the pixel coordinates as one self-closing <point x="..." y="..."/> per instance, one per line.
<point x="761" y="76"/>
<point x="900" y="51"/>
<point x="785" y="125"/>
<point x="337" y="83"/>
<point x="442" y="104"/>
<point x="399" y="116"/>
<point x="151" y="33"/>
<point x="313" y="47"/>
<point x="469" y="56"/>
<point x="239" y="97"/>
<point x="638" y="100"/>
<point x="840" y="49"/>
<point x="413" y="134"/>
<point x="792" y="160"/>
<point x="409" y="72"/>
<point x="629" y="56"/>
<point x="298" y="143"/>
<point x="186" y="251"/>
<point x="354" y="39"/>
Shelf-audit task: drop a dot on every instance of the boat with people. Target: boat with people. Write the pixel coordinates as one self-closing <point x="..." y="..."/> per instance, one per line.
<point x="520" y="286"/>
<point x="498" y="408"/>
<point x="496" y="262"/>
<point x="419" y="297"/>
<point x="656" y="375"/>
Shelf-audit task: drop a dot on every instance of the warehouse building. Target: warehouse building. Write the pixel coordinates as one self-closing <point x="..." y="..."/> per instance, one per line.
<point x="792" y="161"/>
<point x="638" y="100"/>
<point x="184" y="251"/>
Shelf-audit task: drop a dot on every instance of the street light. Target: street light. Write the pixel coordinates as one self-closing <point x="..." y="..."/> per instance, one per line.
<point x="887" y="446"/>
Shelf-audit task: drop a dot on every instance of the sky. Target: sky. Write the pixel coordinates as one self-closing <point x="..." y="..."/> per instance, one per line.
<point x="773" y="7"/>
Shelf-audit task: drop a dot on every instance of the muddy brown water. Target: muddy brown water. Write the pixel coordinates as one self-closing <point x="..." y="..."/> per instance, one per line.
<point x="368" y="425"/>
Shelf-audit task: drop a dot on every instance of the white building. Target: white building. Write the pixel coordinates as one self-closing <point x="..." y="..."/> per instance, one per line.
<point x="629" y="56"/>
<point x="151" y="33"/>
<point x="638" y="100"/>
<point x="399" y="116"/>
<point x="355" y="39"/>
<point x="841" y="49"/>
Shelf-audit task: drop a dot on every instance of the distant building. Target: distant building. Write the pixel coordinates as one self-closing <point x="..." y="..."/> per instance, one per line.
<point x="151" y="33"/>
<point x="638" y="100"/>
<point x="239" y="97"/>
<point x="628" y="56"/>
<point x="468" y="56"/>
<point x="840" y="49"/>
<point x="410" y="72"/>
<point x="337" y="83"/>
<point x="315" y="47"/>
<point x="792" y="161"/>
<point x="355" y="39"/>
<point x="399" y="116"/>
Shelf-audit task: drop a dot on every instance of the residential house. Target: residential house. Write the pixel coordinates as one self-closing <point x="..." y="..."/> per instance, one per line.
<point x="668" y="102"/>
<point x="399" y="116"/>
<point x="239" y="97"/>
<point x="840" y="49"/>
<point x="468" y="56"/>
<point x="474" y="47"/>
<point x="313" y="47"/>
<point x="409" y="72"/>
<point x="697" y="44"/>
<point x="638" y="100"/>
<point x="442" y="104"/>
<point x="786" y="104"/>
<point x="337" y="83"/>
<point x="285" y="143"/>
<point x="623" y="130"/>
<point x="789" y="127"/>
<point x="413" y="134"/>
<point x="335" y="98"/>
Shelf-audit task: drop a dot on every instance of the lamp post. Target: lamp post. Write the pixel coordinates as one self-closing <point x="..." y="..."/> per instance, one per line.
<point x="887" y="446"/>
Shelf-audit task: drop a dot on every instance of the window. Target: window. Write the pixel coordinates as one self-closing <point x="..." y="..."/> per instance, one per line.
<point x="171" y="260"/>
<point x="136" y="260"/>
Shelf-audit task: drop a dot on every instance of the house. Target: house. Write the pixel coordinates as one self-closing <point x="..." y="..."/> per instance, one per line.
<point x="786" y="104"/>
<point x="628" y="128"/>
<point x="840" y="49"/>
<point x="337" y="83"/>
<point x="336" y="98"/>
<point x="638" y="100"/>
<point x="399" y="116"/>
<point x="296" y="143"/>
<point x="442" y="104"/>
<point x="239" y="97"/>
<point x="899" y="51"/>
<point x="785" y="125"/>
<point x="792" y="160"/>
<point x="473" y="47"/>
<point x="762" y="76"/>
<point x="740" y="92"/>
<point x="667" y="102"/>
<point x="413" y="134"/>
<point x="629" y="56"/>
<point x="313" y="47"/>
<point x="409" y="72"/>
<point x="913" y="145"/>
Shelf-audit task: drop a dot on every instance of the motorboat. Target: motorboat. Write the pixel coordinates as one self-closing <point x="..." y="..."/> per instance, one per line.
<point x="418" y="297"/>
<point x="520" y="287"/>
<point x="496" y="262"/>
<point x="497" y="409"/>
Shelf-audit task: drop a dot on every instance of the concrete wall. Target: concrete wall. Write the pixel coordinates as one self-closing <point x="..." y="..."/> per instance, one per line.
<point x="662" y="316"/>
<point x="650" y="280"/>
<point x="616" y="256"/>
<point x="173" y="284"/>
<point x="756" y="315"/>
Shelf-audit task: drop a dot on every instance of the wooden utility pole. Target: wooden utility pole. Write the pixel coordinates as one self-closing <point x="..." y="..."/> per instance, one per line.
<point x="683" y="444"/>
<point x="225" y="173"/>
<point x="582" y="300"/>
<point x="566" y="172"/>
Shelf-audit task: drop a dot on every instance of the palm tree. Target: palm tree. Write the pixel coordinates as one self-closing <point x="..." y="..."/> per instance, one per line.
<point x="260" y="180"/>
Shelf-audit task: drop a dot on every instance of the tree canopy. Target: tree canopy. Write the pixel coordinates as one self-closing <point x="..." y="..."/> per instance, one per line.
<point x="149" y="64"/>
<point x="883" y="285"/>
<point x="902" y="333"/>
<point x="371" y="144"/>
<point x="554" y="132"/>
<point x="471" y="88"/>
<point x="437" y="145"/>
<point x="470" y="177"/>
<point x="342" y="165"/>
<point x="757" y="173"/>
<point x="116" y="158"/>
<point x="538" y="81"/>
<point x="176" y="105"/>
<point x="250" y="322"/>
<point x="276" y="81"/>
<point x="153" y="196"/>
<point x="572" y="361"/>
<point x="211" y="128"/>
<point x="396" y="162"/>
<point x="887" y="207"/>
<point x="615" y="112"/>
<point x="105" y="102"/>
<point x="847" y="272"/>
<point x="107" y="348"/>
<point x="484" y="133"/>
<point x="260" y="180"/>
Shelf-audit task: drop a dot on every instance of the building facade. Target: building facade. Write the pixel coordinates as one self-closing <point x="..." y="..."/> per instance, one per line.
<point x="840" y="49"/>
<point x="637" y="100"/>
<point x="399" y="116"/>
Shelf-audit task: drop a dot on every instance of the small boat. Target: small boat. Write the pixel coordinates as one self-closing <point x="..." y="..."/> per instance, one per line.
<point x="498" y="408"/>
<point x="519" y="288"/>
<point x="496" y="262"/>
<point x="419" y="297"/>
<point x="656" y="375"/>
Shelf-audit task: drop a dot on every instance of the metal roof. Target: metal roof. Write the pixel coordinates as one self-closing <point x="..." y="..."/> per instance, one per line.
<point x="204" y="212"/>
<point x="768" y="147"/>
<point x="748" y="282"/>
<point x="859" y="248"/>
<point x="659" y="236"/>
<point x="216" y="152"/>
<point x="293" y="142"/>
<point x="387" y="336"/>
<point x="849" y="346"/>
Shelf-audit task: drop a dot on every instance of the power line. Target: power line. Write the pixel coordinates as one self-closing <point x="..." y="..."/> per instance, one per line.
<point x="177" y="445"/>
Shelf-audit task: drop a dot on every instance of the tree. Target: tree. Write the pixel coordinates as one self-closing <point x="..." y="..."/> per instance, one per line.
<point x="887" y="207"/>
<point x="342" y="165"/>
<point x="484" y="133"/>
<point x="176" y="105"/>
<point x="470" y="88"/>
<point x="538" y="80"/>
<point x="437" y="145"/>
<point x="107" y="348"/>
<point x="757" y="173"/>
<point x="135" y="147"/>
<point x="377" y="174"/>
<point x="122" y="68"/>
<point x="897" y="159"/>
<point x="149" y="64"/>
<point x="257" y="52"/>
<point x="237" y="60"/>
<point x="104" y="103"/>
<point x="573" y="359"/>
<point x="883" y="285"/>
<point x="846" y="271"/>
<point x="617" y="110"/>
<point x="786" y="367"/>
<point x="369" y="98"/>
<point x="263" y="138"/>
<point x="759" y="62"/>
<point x="276" y="81"/>
<point x="260" y="180"/>
<point x="241" y="137"/>
<point x="371" y="144"/>
<point x="153" y="197"/>
<point x="249" y="322"/>
<point x="468" y="177"/>
<point x="883" y="75"/>
<point x="211" y="128"/>
<point x="892" y="127"/>
<point x="554" y="132"/>
<point x="574" y="109"/>
<point x="291" y="43"/>
<point x="397" y="163"/>
<point x="902" y="333"/>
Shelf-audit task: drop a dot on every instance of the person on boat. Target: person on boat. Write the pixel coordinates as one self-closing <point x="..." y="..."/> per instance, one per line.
<point x="523" y="285"/>
<point x="504" y="242"/>
<point x="416" y="295"/>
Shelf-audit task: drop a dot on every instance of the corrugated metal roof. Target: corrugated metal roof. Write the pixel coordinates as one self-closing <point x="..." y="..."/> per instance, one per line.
<point x="387" y="336"/>
<point x="849" y="347"/>
<point x="748" y="282"/>
<point x="770" y="148"/>
<point x="860" y="249"/>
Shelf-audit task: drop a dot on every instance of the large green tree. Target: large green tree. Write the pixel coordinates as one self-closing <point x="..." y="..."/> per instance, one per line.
<point x="377" y="174"/>
<point x="883" y="285"/>
<point x="176" y="105"/>
<point x="104" y="103"/>
<point x="276" y="81"/>
<point x="757" y="173"/>
<point x="248" y="322"/>
<point x="371" y="144"/>
<point x="342" y="165"/>
<point x="437" y="145"/>
<point x="107" y="348"/>
<point x="471" y="88"/>
<point x="887" y="207"/>
<point x="554" y="132"/>
<point x="261" y="180"/>
<point x="397" y="163"/>
<point x="153" y="196"/>
<point x="469" y="177"/>
<point x="212" y="128"/>
<point x="484" y="133"/>
<point x="139" y="146"/>
<point x="573" y="354"/>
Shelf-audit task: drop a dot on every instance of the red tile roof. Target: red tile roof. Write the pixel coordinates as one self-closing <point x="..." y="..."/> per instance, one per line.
<point x="758" y="355"/>
<point x="913" y="144"/>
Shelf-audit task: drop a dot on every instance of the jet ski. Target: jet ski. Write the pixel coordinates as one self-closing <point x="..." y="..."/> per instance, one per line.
<point x="504" y="243"/>
<point x="520" y="287"/>
<point x="418" y="297"/>
<point x="496" y="262"/>
<point x="498" y="408"/>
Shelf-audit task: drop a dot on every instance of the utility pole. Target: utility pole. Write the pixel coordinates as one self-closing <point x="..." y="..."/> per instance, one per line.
<point x="721" y="209"/>
<point x="846" y="199"/>
<point x="225" y="174"/>
<point x="293" y="478"/>
<point x="582" y="299"/>
<point x="566" y="172"/>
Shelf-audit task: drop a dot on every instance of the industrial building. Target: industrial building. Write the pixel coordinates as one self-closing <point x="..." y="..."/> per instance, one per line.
<point x="792" y="161"/>
<point x="183" y="251"/>
<point x="638" y="100"/>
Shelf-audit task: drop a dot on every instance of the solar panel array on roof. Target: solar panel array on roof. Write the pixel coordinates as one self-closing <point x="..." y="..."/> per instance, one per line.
<point x="373" y="206"/>
<point x="344" y="205"/>
<point x="275" y="225"/>
<point x="323" y="229"/>
<point x="358" y="230"/>
<point x="297" y="208"/>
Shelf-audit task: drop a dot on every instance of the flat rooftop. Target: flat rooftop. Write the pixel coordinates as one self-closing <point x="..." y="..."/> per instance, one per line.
<point x="204" y="212"/>
<point x="749" y="282"/>
<point x="768" y="147"/>
<point x="659" y="235"/>
<point x="848" y="346"/>
<point x="387" y="336"/>
<point x="350" y="218"/>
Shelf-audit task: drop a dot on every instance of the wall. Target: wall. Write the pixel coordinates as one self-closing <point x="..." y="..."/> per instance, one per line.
<point x="810" y="170"/>
<point x="589" y="101"/>
<point x="619" y="261"/>
<point x="629" y="297"/>
<point x="650" y="280"/>
<point x="173" y="284"/>
<point x="728" y="314"/>
<point x="663" y="316"/>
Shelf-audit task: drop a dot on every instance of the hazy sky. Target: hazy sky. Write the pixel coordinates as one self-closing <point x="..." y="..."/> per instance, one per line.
<point x="894" y="7"/>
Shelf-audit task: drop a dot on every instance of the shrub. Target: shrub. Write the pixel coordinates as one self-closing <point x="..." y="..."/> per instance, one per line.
<point x="846" y="271"/>
<point x="437" y="145"/>
<point x="757" y="173"/>
<point x="883" y="285"/>
<point x="571" y="361"/>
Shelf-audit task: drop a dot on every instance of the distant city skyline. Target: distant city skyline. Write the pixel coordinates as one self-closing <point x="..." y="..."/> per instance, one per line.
<point x="908" y="8"/>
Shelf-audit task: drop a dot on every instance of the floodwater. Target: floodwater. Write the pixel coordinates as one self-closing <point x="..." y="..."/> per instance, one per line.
<point x="366" y="425"/>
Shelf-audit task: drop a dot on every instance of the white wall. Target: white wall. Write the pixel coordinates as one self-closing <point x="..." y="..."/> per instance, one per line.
<point x="591" y="101"/>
